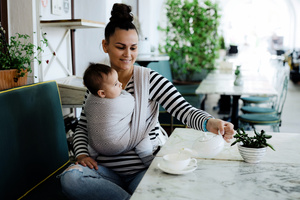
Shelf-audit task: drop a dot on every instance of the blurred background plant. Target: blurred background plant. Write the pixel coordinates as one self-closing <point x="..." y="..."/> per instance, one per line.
<point x="192" y="40"/>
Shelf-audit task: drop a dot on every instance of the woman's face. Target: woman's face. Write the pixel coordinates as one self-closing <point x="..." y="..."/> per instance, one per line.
<point x="122" y="49"/>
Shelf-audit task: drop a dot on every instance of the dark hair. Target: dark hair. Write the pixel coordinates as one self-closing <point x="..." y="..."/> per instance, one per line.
<point x="93" y="76"/>
<point x="121" y="17"/>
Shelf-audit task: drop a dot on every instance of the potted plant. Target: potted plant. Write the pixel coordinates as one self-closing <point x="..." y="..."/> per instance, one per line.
<point x="16" y="58"/>
<point x="238" y="77"/>
<point x="252" y="148"/>
<point x="222" y="46"/>
<point x="191" y="39"/>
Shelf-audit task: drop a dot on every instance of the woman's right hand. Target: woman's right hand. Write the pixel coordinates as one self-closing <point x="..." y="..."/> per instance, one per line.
<point x="85" y="160"/>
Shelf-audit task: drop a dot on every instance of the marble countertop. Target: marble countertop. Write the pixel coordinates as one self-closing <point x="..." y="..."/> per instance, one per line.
<point x="226" y="176"/>
<point x="285" y="144"/>
<point x="223" y="83"/>
<point x="152" y="57"/>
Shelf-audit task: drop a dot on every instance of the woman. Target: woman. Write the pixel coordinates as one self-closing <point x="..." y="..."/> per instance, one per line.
<point x="117" y="177"/>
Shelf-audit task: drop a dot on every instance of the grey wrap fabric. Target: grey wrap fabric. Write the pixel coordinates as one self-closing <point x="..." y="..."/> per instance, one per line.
<point x="109" y="122"/>
<point x="119" y="125"/>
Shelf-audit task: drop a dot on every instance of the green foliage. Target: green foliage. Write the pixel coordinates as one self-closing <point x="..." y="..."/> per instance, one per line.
<point x="222" y="42"/>
<point x="18" y="53"/>
<point x="237" y="70"/>
<point x="192" y="39"/>
<point x="259" y="140"/>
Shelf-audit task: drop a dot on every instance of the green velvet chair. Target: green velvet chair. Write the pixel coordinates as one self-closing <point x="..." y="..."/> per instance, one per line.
<point x="258" y="100"/>
<point x="33" y="142"/>
<point x="255" y="100"/>
<point x="268" y="108"/>
<point x="273" y="120"/>
<point x="258" y="110"/>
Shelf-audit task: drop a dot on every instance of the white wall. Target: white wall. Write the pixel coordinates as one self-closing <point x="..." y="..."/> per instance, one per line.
<point x="150" y="16"/>
<point x="58" y="41"/>
<point x="21" y="19"/>
<point x="295" y="6"/>
<point x="88" y="41"/>
<point x="88" y="46"/>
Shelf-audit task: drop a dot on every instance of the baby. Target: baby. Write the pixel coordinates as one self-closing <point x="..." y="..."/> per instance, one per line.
<point x="109" y="111"/>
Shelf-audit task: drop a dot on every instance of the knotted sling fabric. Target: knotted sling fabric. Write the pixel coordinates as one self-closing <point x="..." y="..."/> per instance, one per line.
<point x="146" y="112"/>
<point x="121" y="124"/>
<point x="109" y="122"/>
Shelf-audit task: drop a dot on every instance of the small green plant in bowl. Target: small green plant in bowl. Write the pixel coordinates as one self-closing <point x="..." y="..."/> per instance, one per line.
<point x="259" y="140"/>
<point x="237" y="71"/>
<point x="252" y="148"/>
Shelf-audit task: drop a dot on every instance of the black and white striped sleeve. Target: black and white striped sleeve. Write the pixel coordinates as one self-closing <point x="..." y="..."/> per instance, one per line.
<point x="166" y="94"/>
<point x="80" y="140"/>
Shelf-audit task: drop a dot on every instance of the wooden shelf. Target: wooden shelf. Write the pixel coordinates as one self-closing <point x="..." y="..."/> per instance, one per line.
<point x="72" y="23"/>
<point x="71" y="91"/>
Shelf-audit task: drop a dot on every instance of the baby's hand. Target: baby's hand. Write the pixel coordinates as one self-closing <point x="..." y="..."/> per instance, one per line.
<point x="85" y="160"/>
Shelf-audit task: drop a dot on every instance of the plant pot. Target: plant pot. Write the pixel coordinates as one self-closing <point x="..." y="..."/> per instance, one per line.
<point x="8" y="79"/>
<point x="191" y="77"/>
<point x="238" y="81"/>
<point x="252" y="155"/>
<point x="222" y="54"/>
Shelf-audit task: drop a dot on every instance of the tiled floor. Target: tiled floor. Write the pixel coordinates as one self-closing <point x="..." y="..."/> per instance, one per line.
<point x="291" y="110"/>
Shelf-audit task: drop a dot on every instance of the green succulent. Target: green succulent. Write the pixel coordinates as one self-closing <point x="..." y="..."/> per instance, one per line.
<point x="259" y="140"/>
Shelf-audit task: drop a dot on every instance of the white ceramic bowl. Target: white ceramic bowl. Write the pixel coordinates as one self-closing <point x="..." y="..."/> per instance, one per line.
<point x="252" y="155"/>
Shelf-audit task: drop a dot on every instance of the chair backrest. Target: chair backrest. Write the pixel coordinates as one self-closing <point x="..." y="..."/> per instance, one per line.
<point x="163" y="68"/>
<point x="283" y="94"/>
<point x="33" y="140"/>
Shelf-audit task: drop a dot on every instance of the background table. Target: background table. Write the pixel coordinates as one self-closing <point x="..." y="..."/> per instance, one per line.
<point x="226" y="176"/>
<point x="222" y="83"/>
<point x="144" y="60"/>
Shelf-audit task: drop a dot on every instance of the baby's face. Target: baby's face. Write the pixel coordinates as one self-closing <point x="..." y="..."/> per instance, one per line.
<point x="112" y="86"/>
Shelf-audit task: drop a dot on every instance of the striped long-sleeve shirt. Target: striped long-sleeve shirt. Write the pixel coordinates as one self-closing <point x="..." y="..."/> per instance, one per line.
<point x="163" y="92"/>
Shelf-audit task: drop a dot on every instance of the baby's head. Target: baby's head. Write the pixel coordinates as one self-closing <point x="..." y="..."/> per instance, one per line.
<point x="102" y="80"/>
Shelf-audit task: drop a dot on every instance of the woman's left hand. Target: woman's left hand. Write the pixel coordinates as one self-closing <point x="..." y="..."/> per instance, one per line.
<point x="225" y="128"/>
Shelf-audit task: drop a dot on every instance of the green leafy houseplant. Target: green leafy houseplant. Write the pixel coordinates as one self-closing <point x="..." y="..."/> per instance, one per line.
<point x="222" y="42"/>
<point x="192" y="40"/>
<point x="259" y="140"/>
<point x="237" y="71"/>
<point x="238" y="78"/>
<point x="18" y="53"/>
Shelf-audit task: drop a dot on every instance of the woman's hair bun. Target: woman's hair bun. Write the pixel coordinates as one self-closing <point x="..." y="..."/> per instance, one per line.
<point x="120" y="13"/>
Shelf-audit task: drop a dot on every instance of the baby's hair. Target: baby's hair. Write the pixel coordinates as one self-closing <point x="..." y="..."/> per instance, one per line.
<point x="93" y="76"/>
<point x="121" y="17"/>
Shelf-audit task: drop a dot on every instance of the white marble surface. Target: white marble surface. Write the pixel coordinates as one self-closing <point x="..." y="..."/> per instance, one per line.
<point x="215" y="179"/>
<point x="286" y="145"/>
<point x="227" y="176"/>
<point x="152" y="57"/>
<point x="223" y="83"/>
